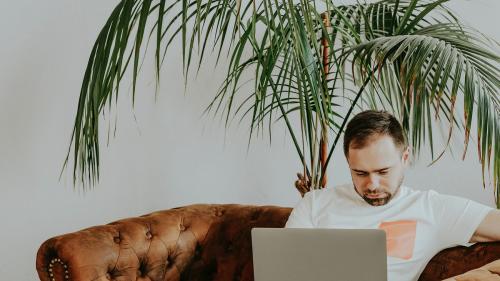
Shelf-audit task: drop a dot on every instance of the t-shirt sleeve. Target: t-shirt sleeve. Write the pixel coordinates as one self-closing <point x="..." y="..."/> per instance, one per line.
<point x="301" y="216"/>
<point x="457" y="218"/>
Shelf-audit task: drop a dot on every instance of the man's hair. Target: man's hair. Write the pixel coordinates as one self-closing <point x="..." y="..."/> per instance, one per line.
<point x="371" y="123"/>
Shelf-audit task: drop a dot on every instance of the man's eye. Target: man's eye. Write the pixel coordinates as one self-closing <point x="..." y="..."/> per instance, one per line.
<point x="361" y="174"/>
<point x="382" y="172"/>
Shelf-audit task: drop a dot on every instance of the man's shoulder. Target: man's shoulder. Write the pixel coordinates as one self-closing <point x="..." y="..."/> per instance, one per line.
<point x="426" y="193"/>
<point x="329" y="193"/>
<point x="331" y="190"/>
<point x="425" y="196"/>
<point x="410" y="192"/>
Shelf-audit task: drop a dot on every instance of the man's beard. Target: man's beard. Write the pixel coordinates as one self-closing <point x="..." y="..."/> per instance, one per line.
<point x="377" y="201"/>
<point x="381" y="200"/>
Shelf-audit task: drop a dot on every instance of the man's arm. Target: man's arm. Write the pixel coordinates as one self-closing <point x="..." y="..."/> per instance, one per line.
<point x="301" y="216"/>
<point x="489" y="229"/>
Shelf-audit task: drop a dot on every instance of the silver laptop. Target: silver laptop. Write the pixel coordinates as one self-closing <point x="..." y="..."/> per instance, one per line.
<point x="312" y="254"/>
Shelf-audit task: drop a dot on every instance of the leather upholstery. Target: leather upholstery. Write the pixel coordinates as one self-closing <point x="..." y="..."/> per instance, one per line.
<point x="455" y="261"/>
<point x="197" y="242"/>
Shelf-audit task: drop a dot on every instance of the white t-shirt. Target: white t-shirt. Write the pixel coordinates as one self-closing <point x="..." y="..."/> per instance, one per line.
<point x="418" y="224"/>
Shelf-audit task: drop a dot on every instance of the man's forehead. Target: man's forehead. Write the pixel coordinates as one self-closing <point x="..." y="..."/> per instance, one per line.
<point x="376" y="156"/>
<point x="367" y="162"/>
<point x="382" y="147"/>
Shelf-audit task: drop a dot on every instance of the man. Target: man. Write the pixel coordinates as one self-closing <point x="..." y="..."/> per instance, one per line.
<point x="418" y="224"/>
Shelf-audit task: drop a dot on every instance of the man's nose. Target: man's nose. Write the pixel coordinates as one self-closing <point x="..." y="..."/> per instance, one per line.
<point x="373" y="183"/>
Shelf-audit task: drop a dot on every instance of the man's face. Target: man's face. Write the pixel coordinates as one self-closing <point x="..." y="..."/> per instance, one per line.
<point x="377" y="169"/>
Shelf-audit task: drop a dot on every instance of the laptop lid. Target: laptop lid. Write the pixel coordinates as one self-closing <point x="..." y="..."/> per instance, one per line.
<point x="312" y="254"/>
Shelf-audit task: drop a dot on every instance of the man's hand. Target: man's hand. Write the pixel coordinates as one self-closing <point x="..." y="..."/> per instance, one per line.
<point x="489" y="229"/>
<point x="488" y="272"/>
<point x="303" y="184"/>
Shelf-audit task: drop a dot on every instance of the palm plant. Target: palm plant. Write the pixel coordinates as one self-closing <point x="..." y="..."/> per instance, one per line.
<point x="313" y="64"/>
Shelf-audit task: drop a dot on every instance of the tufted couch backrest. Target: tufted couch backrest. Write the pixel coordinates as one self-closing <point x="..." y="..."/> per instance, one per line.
<point x="194" y="243"/>
<point x="198" y="242"/>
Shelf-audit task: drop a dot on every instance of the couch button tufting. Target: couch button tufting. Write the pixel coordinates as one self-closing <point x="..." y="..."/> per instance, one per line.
<point x="149" y="235"/>
<point x="170" y="261"/>
<point x="182" y="227"/>
<point x="108" y="276"/>
<point x="117" y="240"/>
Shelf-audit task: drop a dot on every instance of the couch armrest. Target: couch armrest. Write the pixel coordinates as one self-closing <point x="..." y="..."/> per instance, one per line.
<point x="158" y="244"/>
<point x="455" y="261"/>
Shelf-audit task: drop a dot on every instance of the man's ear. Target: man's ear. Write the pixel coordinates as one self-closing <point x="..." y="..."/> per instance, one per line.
<point x="406" y="156"/>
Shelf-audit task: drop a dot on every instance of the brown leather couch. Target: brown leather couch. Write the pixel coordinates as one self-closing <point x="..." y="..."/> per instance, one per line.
<point x="198" y="242"/>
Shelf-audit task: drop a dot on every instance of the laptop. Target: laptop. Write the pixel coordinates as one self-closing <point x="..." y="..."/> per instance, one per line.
<point x="313" y="254"/>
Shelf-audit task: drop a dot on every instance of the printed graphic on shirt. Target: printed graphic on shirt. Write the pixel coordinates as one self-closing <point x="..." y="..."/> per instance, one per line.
<point x="400" y="238"/>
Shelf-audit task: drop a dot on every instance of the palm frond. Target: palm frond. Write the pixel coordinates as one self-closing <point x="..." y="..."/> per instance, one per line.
<point x="433" y="65"/>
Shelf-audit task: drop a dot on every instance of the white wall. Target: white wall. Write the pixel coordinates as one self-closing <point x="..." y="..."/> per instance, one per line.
<point x="171" y="156"/>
